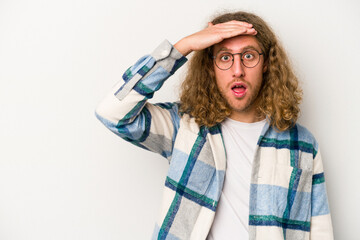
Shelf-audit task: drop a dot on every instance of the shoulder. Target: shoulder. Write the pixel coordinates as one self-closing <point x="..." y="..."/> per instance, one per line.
<point x="304" y="134"/>
<point x="173" y="109"/>
<point x="298" y="136"/>
<point x="307" y="138"/>
<point x="173" y="106"/>
<point x="180" y="120"/>
<point x="185" y="121"/>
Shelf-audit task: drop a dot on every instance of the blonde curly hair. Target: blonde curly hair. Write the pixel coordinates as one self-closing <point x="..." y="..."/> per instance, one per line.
<point x="280" y="94"/>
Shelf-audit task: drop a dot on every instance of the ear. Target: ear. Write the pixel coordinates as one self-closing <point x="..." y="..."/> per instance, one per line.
<point x="265" y="67"/>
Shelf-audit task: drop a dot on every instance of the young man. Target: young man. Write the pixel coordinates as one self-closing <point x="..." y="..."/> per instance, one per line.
<point x="240" y="165"/>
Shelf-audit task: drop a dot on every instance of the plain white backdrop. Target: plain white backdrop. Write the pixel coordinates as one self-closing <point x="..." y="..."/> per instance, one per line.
<point x="63" y="175"/>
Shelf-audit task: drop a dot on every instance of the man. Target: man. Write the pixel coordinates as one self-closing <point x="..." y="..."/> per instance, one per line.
<point x="237" y="114"/>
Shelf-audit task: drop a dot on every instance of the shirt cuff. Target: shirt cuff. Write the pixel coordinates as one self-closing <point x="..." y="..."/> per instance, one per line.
<point x="168" y="57"/>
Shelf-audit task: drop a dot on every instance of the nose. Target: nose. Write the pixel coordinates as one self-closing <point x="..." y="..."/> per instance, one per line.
<point x="238" y="68"/>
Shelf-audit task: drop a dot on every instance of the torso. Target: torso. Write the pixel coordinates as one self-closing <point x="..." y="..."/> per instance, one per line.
<point x="232" y="215"/>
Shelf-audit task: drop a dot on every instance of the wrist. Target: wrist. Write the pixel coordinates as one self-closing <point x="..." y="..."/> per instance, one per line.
<point x="183" y="47"/>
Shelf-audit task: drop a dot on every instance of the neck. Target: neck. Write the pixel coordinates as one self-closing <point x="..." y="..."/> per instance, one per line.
<point x="249" y="115"/>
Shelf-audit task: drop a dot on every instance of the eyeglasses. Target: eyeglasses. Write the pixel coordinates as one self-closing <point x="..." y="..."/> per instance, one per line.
<point x="249" y="58"/>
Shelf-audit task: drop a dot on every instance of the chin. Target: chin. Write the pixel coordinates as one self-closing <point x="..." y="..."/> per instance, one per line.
<point x="243" y="107"/>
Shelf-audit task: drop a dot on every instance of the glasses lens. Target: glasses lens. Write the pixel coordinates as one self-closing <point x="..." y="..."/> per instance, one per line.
<point x="224" y="60"/>
<point x="250" y="58"/>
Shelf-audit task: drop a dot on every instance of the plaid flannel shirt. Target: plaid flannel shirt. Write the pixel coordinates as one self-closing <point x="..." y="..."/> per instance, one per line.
<point x="288" y="197"/>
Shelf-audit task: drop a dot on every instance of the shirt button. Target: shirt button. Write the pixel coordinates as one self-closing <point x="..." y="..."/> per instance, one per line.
<point x="164" y="53"/>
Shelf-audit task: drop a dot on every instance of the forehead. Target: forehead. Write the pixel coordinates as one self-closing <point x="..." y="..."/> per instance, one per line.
<point x="237" y="44"/>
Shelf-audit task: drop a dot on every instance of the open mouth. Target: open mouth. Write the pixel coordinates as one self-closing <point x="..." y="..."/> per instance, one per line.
<point x="239" y="89"/>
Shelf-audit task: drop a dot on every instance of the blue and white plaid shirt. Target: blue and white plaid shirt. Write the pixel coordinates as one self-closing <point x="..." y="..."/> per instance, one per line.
<point x="288" y="197"/>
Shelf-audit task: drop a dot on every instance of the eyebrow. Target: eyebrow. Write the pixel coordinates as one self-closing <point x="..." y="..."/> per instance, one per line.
<point x="224" y="49"/>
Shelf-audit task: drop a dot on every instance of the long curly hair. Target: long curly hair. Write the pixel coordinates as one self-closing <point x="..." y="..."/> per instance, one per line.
<point x="280" y="94"/>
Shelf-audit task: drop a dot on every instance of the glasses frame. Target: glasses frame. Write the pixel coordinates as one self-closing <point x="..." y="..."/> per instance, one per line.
<point x="242" y="61"/>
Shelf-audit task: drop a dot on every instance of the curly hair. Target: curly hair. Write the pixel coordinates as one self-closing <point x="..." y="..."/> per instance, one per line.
<point x="280" y="94"/>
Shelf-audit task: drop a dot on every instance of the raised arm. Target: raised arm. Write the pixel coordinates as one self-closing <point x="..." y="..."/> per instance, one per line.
<point x="125" y="110"/>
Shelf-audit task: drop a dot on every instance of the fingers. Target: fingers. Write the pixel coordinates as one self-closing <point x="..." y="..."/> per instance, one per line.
<point x="233" y="28"/>
<point x="245" y="24"/>
<point x="213" y="34"/>
<point x="234" y="24"/>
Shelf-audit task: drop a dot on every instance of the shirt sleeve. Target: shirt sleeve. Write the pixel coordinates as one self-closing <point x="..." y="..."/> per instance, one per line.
<point x="320" y="225"/>
<point x="126" y="112"/>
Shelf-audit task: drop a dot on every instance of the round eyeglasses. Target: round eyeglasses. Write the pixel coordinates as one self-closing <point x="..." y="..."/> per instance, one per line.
<point x="249" y="58"/>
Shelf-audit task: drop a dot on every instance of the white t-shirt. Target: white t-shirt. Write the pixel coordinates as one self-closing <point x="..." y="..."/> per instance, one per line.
<point x="232" y="214"/>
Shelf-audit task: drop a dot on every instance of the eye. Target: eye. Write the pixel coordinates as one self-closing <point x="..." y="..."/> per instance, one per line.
<point x="250" y="55"/>
<point x="225" y="57"/>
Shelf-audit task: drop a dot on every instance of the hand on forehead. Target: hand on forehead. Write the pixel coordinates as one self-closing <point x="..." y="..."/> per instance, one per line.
<point x="214" y="34"/>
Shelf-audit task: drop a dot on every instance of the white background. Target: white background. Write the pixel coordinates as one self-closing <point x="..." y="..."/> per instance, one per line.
<point x="63" y="175"/>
